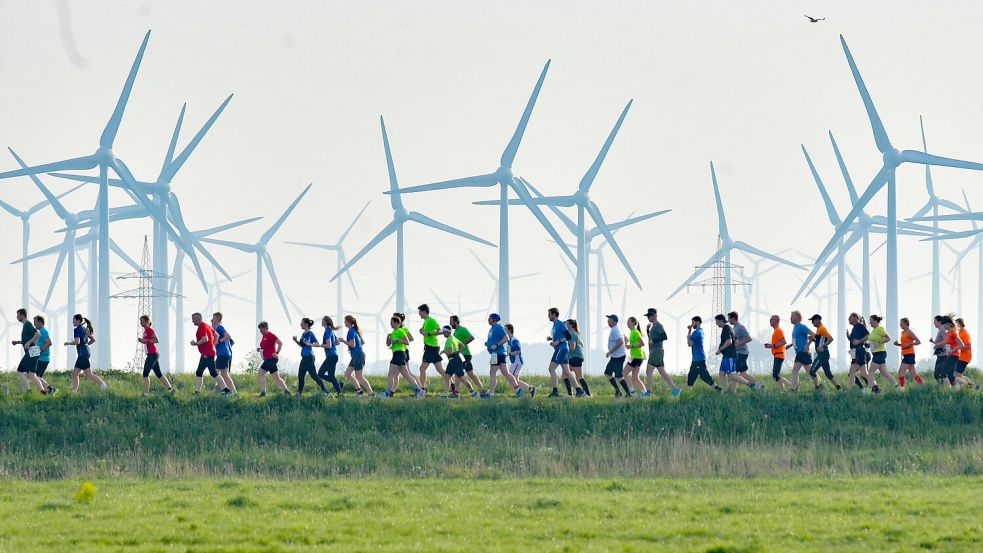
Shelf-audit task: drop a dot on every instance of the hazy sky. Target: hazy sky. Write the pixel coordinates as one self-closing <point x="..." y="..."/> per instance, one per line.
<point x="742" y="84"/>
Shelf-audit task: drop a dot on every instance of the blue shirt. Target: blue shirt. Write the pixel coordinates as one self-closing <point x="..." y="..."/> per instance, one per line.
<point x="308" y="337"/>
<point x="330" y="337"/>
<point x="495" y="335"/>
<point x="222" y="349"/>
<point x="560" y="333"/>
<point x="800" y="337"/>
<point x="45" y="353"/>
<point x="514" y="346"/>
<point x="859" y="332"/>
<point x="354" y="337"/>
<point x="83" y="346"/>
<point x="697" y="338"/>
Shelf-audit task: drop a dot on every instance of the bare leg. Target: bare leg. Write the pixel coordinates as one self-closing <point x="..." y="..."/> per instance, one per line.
<point x="166" y="382"/>
<point x="493" y="378"/>
<point x="553" y="377"/>
<point x="261" y="378"/>
<point x="94" y="377"/>
<point x="475" y="381"/>
<point x="227" y="379"/>
<point x="363" y="383"/>
<point x="75" y="379"/>
<point x="146" y="385"/>
<point x="279" y="382"/>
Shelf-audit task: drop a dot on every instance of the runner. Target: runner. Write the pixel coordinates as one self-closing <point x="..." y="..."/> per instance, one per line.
<point x="431" y="348"/>
<point x="741" y="339"/>
<point x="223" y="352"/>
<point x="397" y="341"/>
<point x="777" y="347"/>
<point x="939" y="351"/>
<point x="329" y="343"/>
<point x="952" y="347"/>
<point x="409" y="336"/>
<point x="495" y="345"/>
<point x="822" y="338"/>
<point x="356" y="366"/>
<point x="28" y="367"/>
<point x="800" y="341"/>
<point x="515" y="358"/>
<point x="965" y="355"/>
<point x="465" y="336"/>
<point x="269" y="348"/>
<point x="307" y="342"/>
<point x="878" y="340"/>
<point x="455" y="363"/>
<point x="561" y="352"/>
<point x="84" y="337"/>
<point x="857" y="335"/>
<point x="657" y="337"/>
<point x="698" y="368"/>
<point x="728" y="350"/>
<point x="907" y="343"/>
<point x="152" y="362"/>
<point x="616" y="358"/>
<point x="44" y="343"/>
<point x="577" y="357"/>
<point x="636" y="351"/>
<point x="205" y="342"/>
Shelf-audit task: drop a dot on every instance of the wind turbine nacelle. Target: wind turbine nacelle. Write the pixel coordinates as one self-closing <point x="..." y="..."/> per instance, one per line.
<point x="105" y="155"/>
<point x="401" y="214"/>
<point x="892" y="157"/>
<point x="504" y="174"/>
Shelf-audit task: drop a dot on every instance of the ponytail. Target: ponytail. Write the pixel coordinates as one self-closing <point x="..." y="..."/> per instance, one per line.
<point x="329" y="322"/>
<point x="308" y="322"/>
<point x="88" y="327"/>
<point x="350" y="319"/>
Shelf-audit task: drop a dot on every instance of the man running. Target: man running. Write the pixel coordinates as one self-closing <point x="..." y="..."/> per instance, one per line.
<point x="657" y="353"/>
<point x="698" y="367"/>
<point x="616" y="353"/>
<point x="822" y="339"/>
<point x="28" y="366"/>
<point x="515" y="356"/>
<point x="205" y="342"/>
<point x="465" y="336"/>
<point x="431" y="348"/>
<point x="223" y="352"/>
<point x="858" y="345"/>
<point x="561" y="351"/>
<point x="939" y="352"/>
<point x="800" y="341"/>
<point x="269" y="348"/>
<point x="741" y="339"/>
<point x="495" y="345"/>
<point x="777" y="347"/>
<point x="455" y="363"/>
<point x="44" y="343"/>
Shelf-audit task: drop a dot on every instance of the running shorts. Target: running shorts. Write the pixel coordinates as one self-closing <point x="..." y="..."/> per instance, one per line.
<point x="615" y="367"/>
<point x="576" y="361"/>
<point x="398" y="359"/>
<point x="431" y="354"/>
<point x="742" y="362"/>
<point x="358" y="360"/>
<point x="908" y="359"/>
<point x="728" y="365"/>
<point x="657" y="357"/>
<point x="803" y="358"/>
<point x="223" y="362"/>
<point x="208" y="362"/>
<point x="269" y="365"/>
<point x="880" y="357"/>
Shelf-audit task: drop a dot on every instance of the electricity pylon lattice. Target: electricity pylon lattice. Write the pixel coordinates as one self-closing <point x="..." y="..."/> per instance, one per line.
<point x="721" y="280"/>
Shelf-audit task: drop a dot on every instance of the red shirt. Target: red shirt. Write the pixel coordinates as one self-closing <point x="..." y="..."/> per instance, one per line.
<point x="207" y="348"/>
<point x="148" y="333"/>
<point x="268" y="344"/>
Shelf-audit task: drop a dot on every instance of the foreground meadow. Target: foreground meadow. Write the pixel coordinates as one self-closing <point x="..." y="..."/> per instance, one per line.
<point x="702" y="515"/>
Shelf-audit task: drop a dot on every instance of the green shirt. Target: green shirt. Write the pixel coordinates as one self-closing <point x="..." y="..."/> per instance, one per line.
<point x="576" y="349"/>
<point x="634" y="338"/>
<point x="463" y="334"/>
<point x="875" y="337"/>
<point x="452" y="346"/>
<point x="398" y="334"/>
<point x="430" y="326"/>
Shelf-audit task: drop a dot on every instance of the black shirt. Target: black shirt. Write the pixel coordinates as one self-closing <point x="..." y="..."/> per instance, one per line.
<point x="727" y="333"/>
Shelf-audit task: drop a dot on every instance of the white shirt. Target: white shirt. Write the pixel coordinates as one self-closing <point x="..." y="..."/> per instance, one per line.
<point x="613" y="338"/>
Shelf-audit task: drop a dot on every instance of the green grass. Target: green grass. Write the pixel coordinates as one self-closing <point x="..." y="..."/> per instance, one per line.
<point x="118" y="434"/>
<point x="701" y="515"/>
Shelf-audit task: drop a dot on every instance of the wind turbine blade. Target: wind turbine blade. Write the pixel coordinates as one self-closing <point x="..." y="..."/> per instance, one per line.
<point x="11" y="209"/>
<point x="112" y="127"/>
<point x="351" y="280"/>
<point x="187" y="240"/>
<point x="843" y="170"/>
<point x="265" y="239"/>
<point x="880" y="135"/>
<point x="604" y="278"/>
<point x="483" y="266"/>
<point x="922" y="212"/>
<point x="222" y="228"/>
<point x="745" y="247"/>
<point x="588" y="180"/>
<point x="123" y="255"/>
<point x="878" y="248"/>
<point x="556" y="201"/>
<point x="172" y="145"/>
<point x="395" y="200"/>
<point x="914" y="156"/>
<point x="972" y="216"/>
<point x="567" y="221"/>
<point x="43" y="204"/>
<point x="385" y="232"/>
<point x="953" y="206"/>
<point x="529" y="275"/>
<point x="953" y="235"/>
<point x="508" y="156"/>
<point x="62" y="253"/>
<point x="928" y="168"/>
<point x="830" y="210"/>
<point x="566" y="265"/>
<point x="633" y="220"/>
<point x="247" y="248"/>
<point x="352" y="225"/>
<point x="440" y="302"/>
<point x="74" y="164"/>
<point x="268" y="261"/>
<point x="699" y="271"/>
<point x="179" y="162"/>
<point x="329" y="247"/>
<point x="424" y="220"/>
<point x="721" y="218"/>
<point x="595" y="214"/>
<point x="520" y="190"/>
<point x="490" y="179"/>
<point x="969" y="208"/>
<point x="42" y="253"/>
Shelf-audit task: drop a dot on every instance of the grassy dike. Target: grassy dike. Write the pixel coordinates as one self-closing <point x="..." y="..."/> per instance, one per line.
<point x="119" y="434"/>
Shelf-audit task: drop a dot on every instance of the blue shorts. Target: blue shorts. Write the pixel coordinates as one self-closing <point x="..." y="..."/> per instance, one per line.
<point x="880" y="357"/>
<point x="560" y="355"/>
<point x="728" y="365"/>
<point x="358" y="360"/>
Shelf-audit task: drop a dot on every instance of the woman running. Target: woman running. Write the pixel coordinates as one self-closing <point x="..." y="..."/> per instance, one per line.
<point x="636" y="354"/>
<point x="269" y="347"/>
<point x="577" y="357"/>
<point x="84" y="336"/>
<point x="941" y="358"/>
<point x="515" y="362"/>
<point x="329" y="342"/>
<point x="965" y="355"/>
<point x="952" y="345"/>
<point x="397" y="341"/>
<point x="878" y="340"/>
<point x="455" y="363"/>
<point x="152" y="362"/>
<point x="907" y="343"/>
<point x="857" y="336"/>
<point x="356" y="367"/>
<point x="307" y="343"/>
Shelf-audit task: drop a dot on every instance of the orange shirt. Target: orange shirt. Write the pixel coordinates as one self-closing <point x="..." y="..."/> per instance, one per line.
<point x="777" y="337"/>
<point x="965" y="355"/>
<point x="907" y="343"/>
<point x="822" y="332"/>
<point x="950" y="340"/>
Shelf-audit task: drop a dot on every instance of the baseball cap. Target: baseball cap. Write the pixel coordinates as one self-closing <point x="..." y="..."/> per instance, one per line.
<point x="816" y="316"/>
<point x="495" y="317"/>
<point x="613" y="318"/>
<point x="651" y="312"/>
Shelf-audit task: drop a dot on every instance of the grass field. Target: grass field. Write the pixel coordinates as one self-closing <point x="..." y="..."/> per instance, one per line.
<point x="870" y="514"/>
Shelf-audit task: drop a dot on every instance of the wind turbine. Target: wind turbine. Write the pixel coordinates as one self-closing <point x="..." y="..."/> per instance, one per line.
<point x="400" y="217"/>
<point x="341" y="260"/>
<point x="976" y="244"/>
<point x="506" y="180"/>
<point x="892" y="159"/>
<point x="216" y="293"/>
<point x="259" y="249"/>
<point x="726" y="246"/>
<point x="494" y="278"/>
<point x="460" y="311"/>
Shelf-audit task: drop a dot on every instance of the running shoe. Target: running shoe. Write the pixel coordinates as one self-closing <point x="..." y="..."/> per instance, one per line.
<point x="104" y="386"/>
<point x="554" y="393"/>
<point x="485" y="395"/>
<point x="261" y="394"/>
<point x="532" y="391"/>
<point x="420" y="393"/>
<point x="676" y="392"/>
<point x="646" y="393"/>
<point x="454" y="395"/>
<point x="52" y="391"/>
<point x="518" y="393"/>
<point x="580" y="392"/>
<point x="619" y="394"/>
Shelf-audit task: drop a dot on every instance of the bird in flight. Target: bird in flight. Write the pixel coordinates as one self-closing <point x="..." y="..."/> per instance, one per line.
<point x="814" y="20"/>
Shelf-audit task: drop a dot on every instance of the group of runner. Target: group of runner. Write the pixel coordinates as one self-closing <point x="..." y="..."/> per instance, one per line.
<point x="452" y="359"/>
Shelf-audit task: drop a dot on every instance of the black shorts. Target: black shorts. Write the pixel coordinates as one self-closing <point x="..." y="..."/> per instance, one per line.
<point x="269" y="365"/>
<point x="908" y="359"/>
<point x="468" y="366"/>
<point x="42" y="366"/>
<point x="776" y="368"/>
<point x="455" y="366"/>
<point x="398" y="358"/>
<point x="83" y="362"/>
<point x="206" y="362"/>
<point x="961" y="366"/>
<point x="635" y="362"/>
<point x="431" y="354"/>
<point x="577" y="362"/>
<point x="615" y="367"/>
<point x="28" y="364"/>
<point x="859" y="356"/>
<point x="223" y="362"/>
<point x="358" y="360"/>
<point x="497" y="359"/>
<point x="940" y="362"/>
<point x="803" y="358"/>
<point x="742" y="362"/>
<point x="880" y="357"/>
<point x="151" y="365"/>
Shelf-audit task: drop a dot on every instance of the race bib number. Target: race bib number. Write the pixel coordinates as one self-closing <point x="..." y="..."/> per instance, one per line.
<point x="34" y="351"/>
